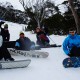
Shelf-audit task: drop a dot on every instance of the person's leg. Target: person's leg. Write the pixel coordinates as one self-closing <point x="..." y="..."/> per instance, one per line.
<point x="1" y="53"/>
<point x="6" y="54"/>
<point x="75" y="52"/>
<point x="40" y="43"/>
<point x="78" y="52"/>
<point x="47" y="43"/>
<point x="32" y="47"/>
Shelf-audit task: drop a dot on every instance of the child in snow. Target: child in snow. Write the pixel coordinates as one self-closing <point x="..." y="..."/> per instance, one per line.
<point x="71" y="44"/>
<point x="42" y="39"/>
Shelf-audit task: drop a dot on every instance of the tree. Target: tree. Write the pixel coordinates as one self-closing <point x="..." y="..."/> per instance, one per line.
<point x="39" y="10"/>
<point x="76" y="17"/>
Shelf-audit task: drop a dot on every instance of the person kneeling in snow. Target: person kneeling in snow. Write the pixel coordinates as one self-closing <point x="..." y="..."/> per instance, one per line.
<point x="71" y="44"/>
<point x="24" y="43"/>
<point x="42" y="39"/>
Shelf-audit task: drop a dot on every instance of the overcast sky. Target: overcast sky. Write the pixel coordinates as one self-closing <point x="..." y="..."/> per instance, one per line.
<point x="18" y="6"/>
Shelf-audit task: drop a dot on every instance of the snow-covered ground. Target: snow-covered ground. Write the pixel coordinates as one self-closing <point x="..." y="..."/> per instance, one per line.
<point x="50" y="68"/>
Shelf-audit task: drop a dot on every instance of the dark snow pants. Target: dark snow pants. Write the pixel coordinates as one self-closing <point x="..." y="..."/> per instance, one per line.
<point x="75" y="52"/>
<point x="4" y="53"/>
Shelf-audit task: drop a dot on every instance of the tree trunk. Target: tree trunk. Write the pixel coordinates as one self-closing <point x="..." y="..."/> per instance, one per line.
<point x="75" y="16"/>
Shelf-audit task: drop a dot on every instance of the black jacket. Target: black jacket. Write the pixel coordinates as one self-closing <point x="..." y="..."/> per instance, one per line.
<point x="5" y="34"/>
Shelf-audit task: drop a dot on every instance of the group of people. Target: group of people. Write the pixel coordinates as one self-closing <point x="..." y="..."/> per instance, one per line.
<point x="71" y="45"/>
<point x="23" y="43"/>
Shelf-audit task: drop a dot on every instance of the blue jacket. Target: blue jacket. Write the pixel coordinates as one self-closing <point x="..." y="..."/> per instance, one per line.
<point x="71" y="41"/>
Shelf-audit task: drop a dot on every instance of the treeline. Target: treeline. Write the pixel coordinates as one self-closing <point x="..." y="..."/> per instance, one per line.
<point x="43" y="15"/>
<point x="8" y="13"/>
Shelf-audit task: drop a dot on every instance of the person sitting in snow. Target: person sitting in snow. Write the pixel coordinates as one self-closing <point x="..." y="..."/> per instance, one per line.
<point x="42" y="39"/>
<point x="3" y="50"/>
<point x="71" y="45"/>
<point x="24" y="43"/>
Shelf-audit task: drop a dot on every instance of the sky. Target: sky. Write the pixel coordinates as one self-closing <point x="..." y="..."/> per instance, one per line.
<point x="18" y="6"/>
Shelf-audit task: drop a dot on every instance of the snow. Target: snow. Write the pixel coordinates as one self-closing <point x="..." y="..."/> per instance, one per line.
<point x="50" y="68"/>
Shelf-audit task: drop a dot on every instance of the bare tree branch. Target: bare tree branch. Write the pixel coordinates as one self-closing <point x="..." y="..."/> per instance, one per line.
<point x="75" y="16"/>
<point x="40" y="8"/>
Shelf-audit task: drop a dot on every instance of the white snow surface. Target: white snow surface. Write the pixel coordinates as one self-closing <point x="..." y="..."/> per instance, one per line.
<point x="50" y="68"/>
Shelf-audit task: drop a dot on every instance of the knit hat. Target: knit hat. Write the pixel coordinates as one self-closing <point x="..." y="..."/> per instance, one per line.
<point x="21" y="33"/>
<point x="72" y="29"/>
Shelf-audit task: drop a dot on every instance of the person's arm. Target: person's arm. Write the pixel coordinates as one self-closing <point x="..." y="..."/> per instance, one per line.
<point x="17" y="45"/>
<point x="8" y="36"/>
<point x="79" y="40"/>
<point x="28" y="41"/>
<point x="65" y="46"/>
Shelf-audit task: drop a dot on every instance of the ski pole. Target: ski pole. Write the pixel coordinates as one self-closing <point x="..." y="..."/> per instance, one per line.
<point x="52" y="40"/>
<point x="55" y="43"/>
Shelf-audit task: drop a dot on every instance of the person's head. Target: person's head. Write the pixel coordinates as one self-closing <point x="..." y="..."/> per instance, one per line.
<point x="72" y="31"/>
<point x="38" y="29"/>
<point x="21" y="35"/>
<point x="6" y="27"/>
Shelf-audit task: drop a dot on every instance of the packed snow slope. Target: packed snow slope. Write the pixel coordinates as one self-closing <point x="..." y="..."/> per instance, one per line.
<point x="50" y="68"/>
